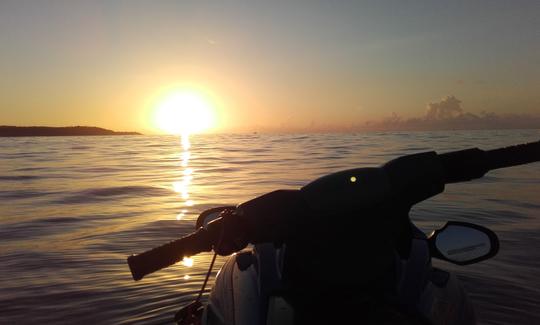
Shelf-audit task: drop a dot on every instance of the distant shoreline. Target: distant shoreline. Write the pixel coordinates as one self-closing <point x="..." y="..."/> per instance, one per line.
<point x="48" y="131"/>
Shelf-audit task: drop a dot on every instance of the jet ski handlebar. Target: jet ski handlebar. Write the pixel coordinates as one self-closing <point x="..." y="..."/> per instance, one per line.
<point x="464" y="165"/>
<point x="204" y="239"/>
<point x="170" y="253"/>
<point x="414" y="177"/>
<point x="514" y="155"/>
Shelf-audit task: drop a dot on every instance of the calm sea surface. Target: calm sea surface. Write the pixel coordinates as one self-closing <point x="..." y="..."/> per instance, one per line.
<point x="73" y="208"/>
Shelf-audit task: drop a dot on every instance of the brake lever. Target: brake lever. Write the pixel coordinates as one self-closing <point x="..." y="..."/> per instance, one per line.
<point x="233" y="233"/>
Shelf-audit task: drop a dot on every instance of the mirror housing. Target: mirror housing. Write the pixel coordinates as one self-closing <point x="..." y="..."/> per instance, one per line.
<point x="463" y="243"/>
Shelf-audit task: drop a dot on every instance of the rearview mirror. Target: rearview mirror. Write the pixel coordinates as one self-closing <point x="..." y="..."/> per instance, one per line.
<point x="463" y="243"/>
<point x="209" y="215"/>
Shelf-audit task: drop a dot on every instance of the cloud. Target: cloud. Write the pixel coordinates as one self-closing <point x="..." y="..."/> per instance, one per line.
<point x="448" y="107"/>
<point x="447" y="114"/>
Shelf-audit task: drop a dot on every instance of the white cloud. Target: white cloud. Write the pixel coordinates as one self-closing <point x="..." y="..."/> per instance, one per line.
<point x="447" y="114"/>
<point x="448" y="107"/>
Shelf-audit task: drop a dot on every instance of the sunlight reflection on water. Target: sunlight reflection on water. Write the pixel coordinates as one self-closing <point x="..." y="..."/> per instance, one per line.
<point x="187" y="261"/>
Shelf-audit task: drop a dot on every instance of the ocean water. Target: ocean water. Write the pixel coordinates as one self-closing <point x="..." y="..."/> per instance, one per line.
<point x="73" y="208"/>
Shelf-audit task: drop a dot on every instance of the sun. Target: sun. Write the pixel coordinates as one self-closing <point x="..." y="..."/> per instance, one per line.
<point x="184" y="112"/>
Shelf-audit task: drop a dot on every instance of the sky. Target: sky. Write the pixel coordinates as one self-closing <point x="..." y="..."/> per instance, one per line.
<point x="270" y="65"/>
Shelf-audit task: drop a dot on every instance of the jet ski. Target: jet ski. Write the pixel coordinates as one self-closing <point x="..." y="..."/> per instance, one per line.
<point x="280" y="243"/>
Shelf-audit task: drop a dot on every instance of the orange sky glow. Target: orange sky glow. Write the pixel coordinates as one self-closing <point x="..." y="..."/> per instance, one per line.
<point x="282" y="67"/>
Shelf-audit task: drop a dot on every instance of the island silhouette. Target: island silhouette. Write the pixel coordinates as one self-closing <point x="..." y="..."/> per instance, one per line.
<point x="40" y="131"/>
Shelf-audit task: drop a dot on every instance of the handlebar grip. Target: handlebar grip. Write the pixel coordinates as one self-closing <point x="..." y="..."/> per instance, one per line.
<point x="465" y="165"/>
<point x="514" y="155"/>
<point x="168" y="254"/>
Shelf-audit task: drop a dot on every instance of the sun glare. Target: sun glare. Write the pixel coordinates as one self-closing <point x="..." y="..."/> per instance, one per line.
<point x="184" y="112"/>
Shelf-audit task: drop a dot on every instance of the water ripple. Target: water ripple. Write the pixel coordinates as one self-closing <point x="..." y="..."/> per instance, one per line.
<point x="19" y="177"/>
<point x="110" y="193"/>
